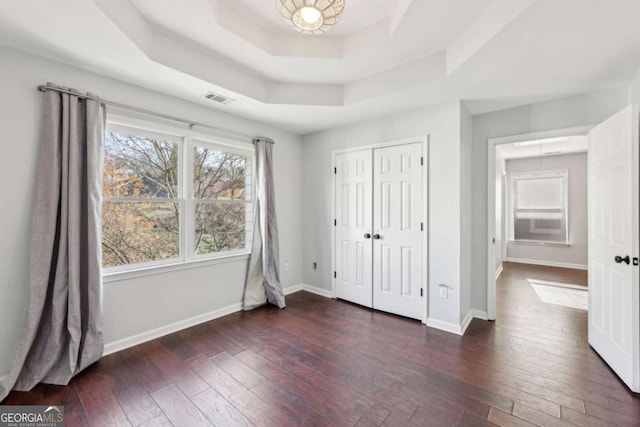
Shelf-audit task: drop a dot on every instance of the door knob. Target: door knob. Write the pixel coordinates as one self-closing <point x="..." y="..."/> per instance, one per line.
<point x="377" y="236"/>
<point x="367" y="236"/>
<point x="620" y="260"/>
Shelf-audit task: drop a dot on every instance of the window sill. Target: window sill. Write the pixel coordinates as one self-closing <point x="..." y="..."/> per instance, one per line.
<point x="537" y="243"/>
<point x="117" y="276"/>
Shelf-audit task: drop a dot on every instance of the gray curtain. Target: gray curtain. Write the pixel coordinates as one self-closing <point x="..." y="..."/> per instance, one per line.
<point x="62" y="332"/>
<point x="263" y="275"/>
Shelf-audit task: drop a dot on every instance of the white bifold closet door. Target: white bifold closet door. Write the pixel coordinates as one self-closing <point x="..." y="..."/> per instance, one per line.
<point x="379" y="229"/>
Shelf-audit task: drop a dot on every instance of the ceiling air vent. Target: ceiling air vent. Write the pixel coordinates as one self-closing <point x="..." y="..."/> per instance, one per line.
<point x="216" y="97"/>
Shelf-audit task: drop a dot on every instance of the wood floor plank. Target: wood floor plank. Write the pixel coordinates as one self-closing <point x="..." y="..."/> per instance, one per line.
<point x="176" y="369"/>
<point x="177" y="407"/>
<point x="581" y="419"/>
<point x="219" y="410"/>
<point x="503" y="419"/>
<point x="313" y="397"/>
<point x="102" y="409"/>
<point x="159" y="421"/>
<point x="137" y="404"/>
<point x="538" y="417"/>
<point x="616" y="417"/>
<point x="470" y="420"/>
<point x="257" y="411"/>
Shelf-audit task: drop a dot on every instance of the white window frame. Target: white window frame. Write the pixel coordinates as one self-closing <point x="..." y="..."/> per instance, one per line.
<point x="515" y="176"/>
<point x="187" y="139"/>
<point x="200" y="140"/>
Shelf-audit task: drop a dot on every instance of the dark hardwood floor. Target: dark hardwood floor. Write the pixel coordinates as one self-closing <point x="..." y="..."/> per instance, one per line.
<point x="322" y="362"/>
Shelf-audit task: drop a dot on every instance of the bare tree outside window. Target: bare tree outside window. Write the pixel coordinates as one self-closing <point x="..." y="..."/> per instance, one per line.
<point x="219" y="183"/>
<point x="141" y="211"/>
<point x="136" y="230"/>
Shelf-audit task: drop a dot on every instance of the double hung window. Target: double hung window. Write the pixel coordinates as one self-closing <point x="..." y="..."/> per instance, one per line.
<point x="539" y="207"/>
<point x="171" y="195"/>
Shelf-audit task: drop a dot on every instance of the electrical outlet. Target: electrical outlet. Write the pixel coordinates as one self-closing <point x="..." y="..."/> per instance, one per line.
<point x="286" y="266"/>
<point x="444" y="292"/>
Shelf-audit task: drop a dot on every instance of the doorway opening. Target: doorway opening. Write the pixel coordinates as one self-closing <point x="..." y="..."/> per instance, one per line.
<point x="613" y="237"/>
<point x="538" y="214"/>
<point x="541" y="219"/>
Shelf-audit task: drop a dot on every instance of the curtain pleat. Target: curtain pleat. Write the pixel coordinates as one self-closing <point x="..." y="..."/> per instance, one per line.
<point x="263" y="276"/>
<point x="62" y="330"/>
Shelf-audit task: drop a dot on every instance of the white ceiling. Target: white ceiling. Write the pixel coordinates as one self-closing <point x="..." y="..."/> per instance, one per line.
<point x="396" y="56"/>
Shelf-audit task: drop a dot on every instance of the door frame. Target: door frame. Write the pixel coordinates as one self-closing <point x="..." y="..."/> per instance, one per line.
<point x="424" y="141"/>
<point x="491" y="199"/>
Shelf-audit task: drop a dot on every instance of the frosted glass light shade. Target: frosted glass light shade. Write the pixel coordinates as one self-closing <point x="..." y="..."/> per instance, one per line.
<point x="311" y="16"/>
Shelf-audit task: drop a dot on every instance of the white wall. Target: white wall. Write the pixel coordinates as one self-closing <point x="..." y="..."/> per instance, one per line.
<point x="466" y="214"/>
<point x="442" y="124"/>
<point x="580" y="110"/>
<point x="576" y="254"/>
<point x="137" y="305"/>
<point x="634" y="89"/>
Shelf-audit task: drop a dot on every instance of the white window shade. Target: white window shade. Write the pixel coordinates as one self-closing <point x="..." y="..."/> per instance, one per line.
<point x="540" y="207"/>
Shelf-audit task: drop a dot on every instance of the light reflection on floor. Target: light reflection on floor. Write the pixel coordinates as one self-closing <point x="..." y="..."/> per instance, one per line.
<point x="563" y="294"/>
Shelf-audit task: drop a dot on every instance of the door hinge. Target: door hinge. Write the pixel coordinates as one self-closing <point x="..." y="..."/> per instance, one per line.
<point x="421" y="161"/>
<point x="335" y="171"/>
<point x="335" y="274"/>
<point x="422" y="226"/>
<point x="421" y="292"/>
<point x="335" y="222"/>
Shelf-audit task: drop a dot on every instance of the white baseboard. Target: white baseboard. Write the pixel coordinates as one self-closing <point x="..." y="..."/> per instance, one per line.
<point x="547" y="263"/>
<point x="457" y="329"/>
<point x="444" y="326"/>
<point x="499" y="271"/>
<point x="479" y="314"/>
<point x="318" y="291"/>
<point x="292" y="289"/>
<point x="465" y="322"/>
<point x="134" y="340"/>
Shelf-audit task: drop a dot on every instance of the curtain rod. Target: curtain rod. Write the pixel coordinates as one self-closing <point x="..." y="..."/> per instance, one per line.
<point x="191" y="123"/>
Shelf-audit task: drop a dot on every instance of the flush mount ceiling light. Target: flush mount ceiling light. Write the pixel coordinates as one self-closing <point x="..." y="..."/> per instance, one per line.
<point x="311" y="16"/>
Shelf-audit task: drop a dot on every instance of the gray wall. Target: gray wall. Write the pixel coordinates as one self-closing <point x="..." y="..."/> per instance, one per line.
<point x="634" y="88"/>
<point x="580" y="110"/>
<point x="442" y="124"/>
<point x="576" y="254"/>
<point x="466" y="213"/>
<point x="133" y="306"/>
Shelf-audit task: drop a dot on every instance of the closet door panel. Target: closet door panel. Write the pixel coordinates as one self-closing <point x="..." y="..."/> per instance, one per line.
<point x="398" y="240"/>
<point x="353" y="251"/>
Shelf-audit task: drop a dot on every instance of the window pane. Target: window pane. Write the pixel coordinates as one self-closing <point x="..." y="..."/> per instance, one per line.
<point x="539" y="212"/>
<point x="540" y="193"/>
<point x="219" y="175"/>
<point x="139" y="167"/>
<point x="136" y="232"/>
<point x="220" y="227"/>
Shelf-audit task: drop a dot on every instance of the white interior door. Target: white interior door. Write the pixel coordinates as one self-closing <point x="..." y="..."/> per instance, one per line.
<point x="353" y="251"/>
<point x="613" y="243"/>
<point x="397" y="230"/>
